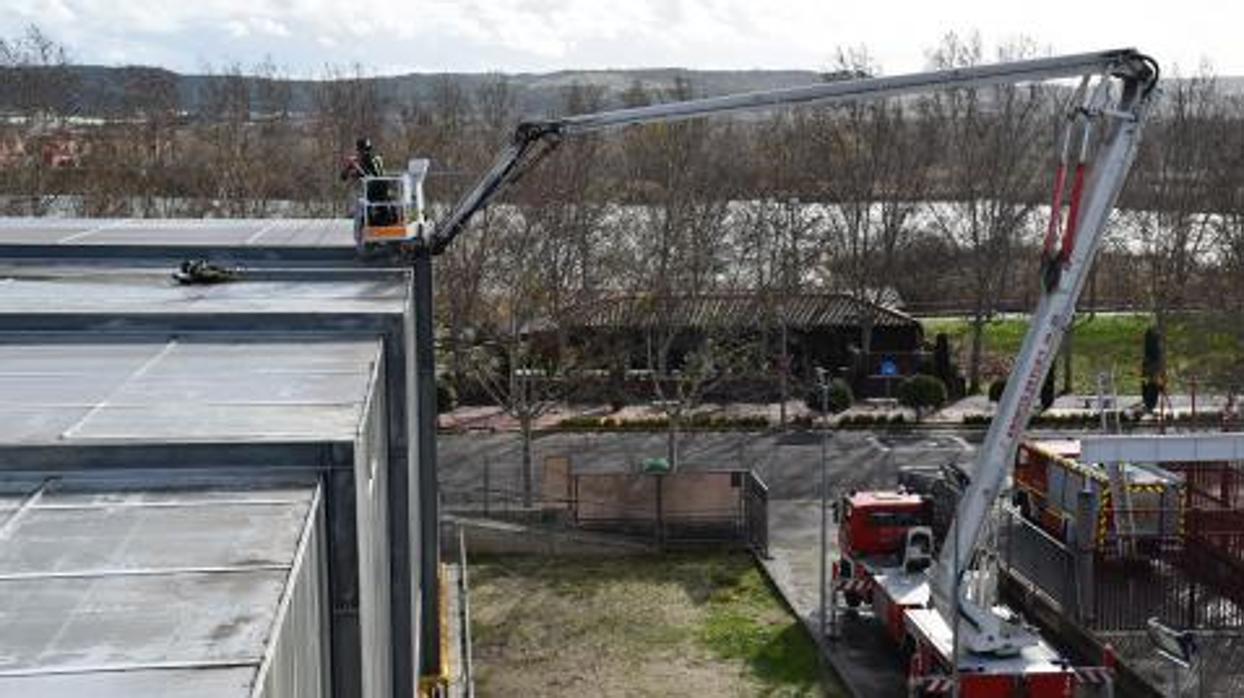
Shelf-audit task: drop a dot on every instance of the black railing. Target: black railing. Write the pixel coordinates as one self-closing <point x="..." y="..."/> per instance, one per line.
<point x="756" y="514"/>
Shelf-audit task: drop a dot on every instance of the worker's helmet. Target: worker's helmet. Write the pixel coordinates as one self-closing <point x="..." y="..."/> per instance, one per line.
<point x="363" y="144"/>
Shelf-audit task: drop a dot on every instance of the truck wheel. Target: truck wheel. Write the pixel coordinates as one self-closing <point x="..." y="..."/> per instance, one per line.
<point x="1024" y="504"/>
<point x="907" y="649"/>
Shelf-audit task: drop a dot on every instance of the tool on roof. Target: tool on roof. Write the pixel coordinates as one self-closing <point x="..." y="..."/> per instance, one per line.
<point x="194" y="272"/>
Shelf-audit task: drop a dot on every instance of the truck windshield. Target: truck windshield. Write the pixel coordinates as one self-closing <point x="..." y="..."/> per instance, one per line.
<point x="890" y="519"/>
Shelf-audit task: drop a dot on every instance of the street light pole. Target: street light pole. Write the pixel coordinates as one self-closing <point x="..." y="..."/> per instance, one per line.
<point x="823" y="383"/>
<point x="425" y="477"/>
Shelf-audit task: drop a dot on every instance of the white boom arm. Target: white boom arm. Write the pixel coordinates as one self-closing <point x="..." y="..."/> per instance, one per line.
<point x="533" y="140"/>
<point x="1118" y="128"/>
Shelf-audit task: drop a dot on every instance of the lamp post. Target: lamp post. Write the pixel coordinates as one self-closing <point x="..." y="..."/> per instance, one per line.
<point x="822" y="380"/>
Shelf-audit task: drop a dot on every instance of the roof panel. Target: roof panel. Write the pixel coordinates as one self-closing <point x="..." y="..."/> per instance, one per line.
<point x="154" y="292"/>
<point x="156" y="683"/>
<point x="166" y="232"/>
<point x="37" y="424"/>
<point x="140" y="536"/>
<point x="218" y="422"/>
<point x="185" y="390"/>
<point x="117" y="621"/>
<point x="110" y="588"/>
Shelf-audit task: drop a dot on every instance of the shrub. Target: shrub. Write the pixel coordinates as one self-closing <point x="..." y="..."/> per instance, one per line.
<point x="921" y="393"/>
<point x="1152" y="379"/>
<point x="944" y="367"/>
<point x="996" y="389"/>
<point x="446" y="396"/>
<point x="583" y="423"/>
<point x="840" y="396"/>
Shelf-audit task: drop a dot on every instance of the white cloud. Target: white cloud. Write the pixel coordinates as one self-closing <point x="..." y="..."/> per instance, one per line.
<point x="531" y="35"/>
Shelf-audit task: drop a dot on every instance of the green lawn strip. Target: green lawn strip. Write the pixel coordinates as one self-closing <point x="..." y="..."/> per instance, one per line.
<point x="745" y="621"/>
<point x="1203" y="345"/>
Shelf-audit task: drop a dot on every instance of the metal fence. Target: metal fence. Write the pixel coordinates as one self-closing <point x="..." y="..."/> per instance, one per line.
<point x="756" y="514"/>
<point x="680" y="509"/>
<point x="1180" y="580"/>
<point x="1182" y="583"/>
<point x="1039" y="559"/>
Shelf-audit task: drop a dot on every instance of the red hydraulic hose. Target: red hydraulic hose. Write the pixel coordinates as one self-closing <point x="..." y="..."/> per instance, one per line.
<point x="1073" y="215"/>
<point x="1077" y="188"/>
<point x="1060" y="179"/>
<point x="1056" y="211"/>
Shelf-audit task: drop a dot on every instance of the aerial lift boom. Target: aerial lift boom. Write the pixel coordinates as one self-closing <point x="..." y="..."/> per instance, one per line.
<point x="1098" y="176"/>
<point x="533" y="140"/>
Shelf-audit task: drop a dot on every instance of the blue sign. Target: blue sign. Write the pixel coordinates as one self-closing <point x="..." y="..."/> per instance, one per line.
<point x="888" y="367"/>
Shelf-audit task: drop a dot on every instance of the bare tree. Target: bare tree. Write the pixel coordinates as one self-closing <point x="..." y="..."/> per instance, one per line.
<point x="151" y="104"/>
<point x="565" y="205"/>
<point x="522" y="374"/>
<point x="458" y="141"/>
<point x="991" y="139"/>
<point x="346" y="105"/>
<point x="273" y="152"/>
<point x="878" y="160"/>
<point x="1171" y="219"/>
<point x="227" y="140"/>
<point x="695" y="361"/>
<point x="1227" y="200"/>
<point x="682" y="175"/>
<point x="36" y="85"/>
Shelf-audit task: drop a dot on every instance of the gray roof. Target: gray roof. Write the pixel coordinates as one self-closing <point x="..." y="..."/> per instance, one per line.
<point x="190" y="232"/>
<point x="184" y="390"/>
<point x="109" y="370"/>
<point x="144" y="588"/>
<point x="807" y="311"/>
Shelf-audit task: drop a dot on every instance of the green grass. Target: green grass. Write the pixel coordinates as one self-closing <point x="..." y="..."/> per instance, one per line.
<point x="743" y="622"/>
<point x="702" y="624"/>
<point x="1207" y="346"/>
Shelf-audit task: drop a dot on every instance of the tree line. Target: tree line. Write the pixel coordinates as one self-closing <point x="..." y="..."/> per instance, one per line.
<point x="942" y="198"/>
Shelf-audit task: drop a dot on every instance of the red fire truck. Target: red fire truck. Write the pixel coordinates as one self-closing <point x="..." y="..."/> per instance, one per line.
<point x="887" y="545"/>
<point x="941" y="610"/>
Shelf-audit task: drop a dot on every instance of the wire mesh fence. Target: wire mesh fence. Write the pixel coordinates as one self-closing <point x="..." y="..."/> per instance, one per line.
<point x="679" y="509"/>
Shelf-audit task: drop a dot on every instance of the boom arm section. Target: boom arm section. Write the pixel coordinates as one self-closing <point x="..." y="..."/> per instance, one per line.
<point x="1118" y="128"/>
<point x="535" y="139"/>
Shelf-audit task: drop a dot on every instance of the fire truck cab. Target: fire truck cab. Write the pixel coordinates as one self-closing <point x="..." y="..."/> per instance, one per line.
<point x="878" y="532"/>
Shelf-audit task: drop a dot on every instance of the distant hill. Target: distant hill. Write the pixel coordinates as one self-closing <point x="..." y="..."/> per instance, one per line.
<point x="101" y="90"/>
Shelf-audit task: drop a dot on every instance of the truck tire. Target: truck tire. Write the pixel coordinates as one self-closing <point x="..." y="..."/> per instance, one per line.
<point x="1024" y="503"/>
<point x="907" y="649"/>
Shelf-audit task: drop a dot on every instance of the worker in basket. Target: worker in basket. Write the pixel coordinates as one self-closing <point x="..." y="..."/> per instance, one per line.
<point x="366" y="166"/>
<point x="364" y="163"/>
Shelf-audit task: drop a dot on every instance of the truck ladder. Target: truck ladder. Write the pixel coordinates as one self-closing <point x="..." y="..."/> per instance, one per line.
<point x="1120" y="495"/>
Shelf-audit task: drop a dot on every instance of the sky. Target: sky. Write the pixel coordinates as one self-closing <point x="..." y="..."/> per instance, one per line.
<point x="392" y="37"/>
